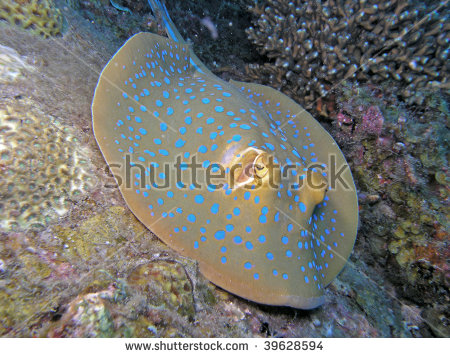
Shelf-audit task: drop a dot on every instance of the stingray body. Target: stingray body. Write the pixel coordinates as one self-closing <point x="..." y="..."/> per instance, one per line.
<point x="268" y="234"/>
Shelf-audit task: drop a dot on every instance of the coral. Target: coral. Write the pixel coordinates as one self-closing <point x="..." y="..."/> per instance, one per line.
<point x="314" y="45"/>
<point x="400" y="163"/>
<point x="12" y="65"/>
<point x="42" y="165"/>
<point x="40" y="16"/>
<point x="172" y="282"/>
<point x="87" y="315"/>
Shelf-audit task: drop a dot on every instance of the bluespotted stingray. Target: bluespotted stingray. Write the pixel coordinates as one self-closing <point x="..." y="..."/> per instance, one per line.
<point x="271" y="215"/>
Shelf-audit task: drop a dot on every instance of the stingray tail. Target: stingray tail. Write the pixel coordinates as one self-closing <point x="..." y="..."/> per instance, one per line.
<point x="160" y="9"/>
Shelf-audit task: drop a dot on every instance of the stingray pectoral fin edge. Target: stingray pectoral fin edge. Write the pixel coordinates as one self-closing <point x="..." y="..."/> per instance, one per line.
<point x="259" y="295"/>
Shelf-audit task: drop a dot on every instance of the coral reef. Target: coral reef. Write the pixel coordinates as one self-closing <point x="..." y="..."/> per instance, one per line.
<point x="400" y="162"/>
<point x="128" y="284"/>
<point x="43" y="169"/>
<point x="313" y="45"/>
<point x="39" y="16"/>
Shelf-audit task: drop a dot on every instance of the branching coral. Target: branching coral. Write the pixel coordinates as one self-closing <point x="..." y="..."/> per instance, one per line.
<point x="40" y="16"/>
<point x="313" y="45"/>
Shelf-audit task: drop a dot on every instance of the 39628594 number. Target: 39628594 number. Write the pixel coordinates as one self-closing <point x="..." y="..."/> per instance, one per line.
<point x="275" y="345"/>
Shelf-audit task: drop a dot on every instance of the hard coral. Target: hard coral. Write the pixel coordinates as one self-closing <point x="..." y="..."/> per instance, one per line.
<point x="40" y="16"/>
<point x="42" y="169"/>
<point x="313" y="45"/>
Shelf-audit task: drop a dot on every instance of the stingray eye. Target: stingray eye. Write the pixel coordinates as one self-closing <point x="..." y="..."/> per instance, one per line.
<point x="250" y="166"/>
<point x="260" y="165"/>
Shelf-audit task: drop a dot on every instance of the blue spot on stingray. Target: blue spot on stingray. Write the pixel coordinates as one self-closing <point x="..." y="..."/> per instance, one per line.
<point x="223" y="260"/>
<point x="237" y="240"/>
<point x="202" y="149"/>
<point x="210" y="120"/>
<point x="179" y="143"/>
<point x="199" y="199"/>
<point x="215" y="208"/>
<point x="219" y="109"/>
<point x="191" y="217"/>
<point x="269" y="255"/>
<point x="236" y="211"/>
<point x="229" y="227"/>
<point x="169" y="111"/>
<point x="219" y="235"/>
<point x="142" y="131"/>
<point x="262" y="239"/>
<point x="206" y="100"/>
<point x="302" y="207"/>
<point x="159" y="103"/>
<point x="248" y="265"/>
<point x="285" y="240"/>
<point x="163" y="152"/>
<point x="163" y="126"/>
<point x="237" y="137"/>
